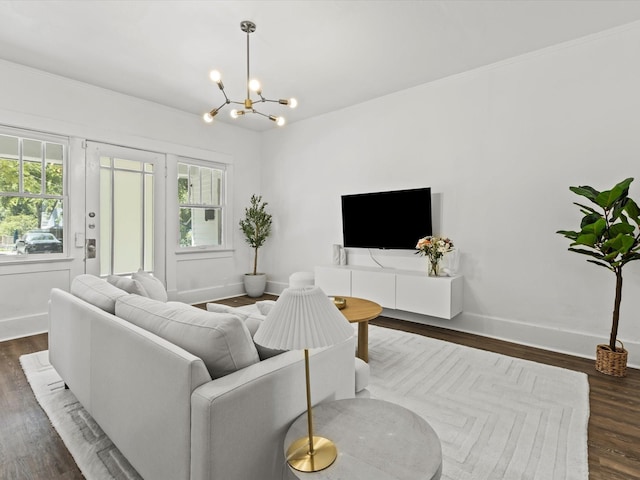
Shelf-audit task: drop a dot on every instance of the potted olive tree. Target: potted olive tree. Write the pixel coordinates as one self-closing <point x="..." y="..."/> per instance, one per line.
<point x="256" y="226"/>
<point x="610" y="234"/>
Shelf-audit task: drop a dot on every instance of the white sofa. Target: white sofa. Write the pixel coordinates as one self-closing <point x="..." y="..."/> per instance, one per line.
<point x="162" y="406"/>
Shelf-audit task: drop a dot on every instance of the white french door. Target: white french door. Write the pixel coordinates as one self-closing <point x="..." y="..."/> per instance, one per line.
<point x="124" y="220"/>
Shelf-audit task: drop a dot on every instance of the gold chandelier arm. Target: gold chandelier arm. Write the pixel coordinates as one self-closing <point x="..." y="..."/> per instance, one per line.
<point x="280" y="121"/>
<point x="208" y="117"/>
<point x="226" y="99"/>
<point x="262" y="114"/>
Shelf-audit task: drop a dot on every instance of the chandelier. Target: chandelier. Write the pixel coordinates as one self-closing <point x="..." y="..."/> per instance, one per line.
<point x="253" y="85"/>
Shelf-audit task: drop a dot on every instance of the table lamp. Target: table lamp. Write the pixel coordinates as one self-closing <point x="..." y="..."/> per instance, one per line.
<point x="305" y="318"/>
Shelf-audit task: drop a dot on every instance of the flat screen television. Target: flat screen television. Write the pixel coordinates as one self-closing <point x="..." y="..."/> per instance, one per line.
<point x="388" y="220"/>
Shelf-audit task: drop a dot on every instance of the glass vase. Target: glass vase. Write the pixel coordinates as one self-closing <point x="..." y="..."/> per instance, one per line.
<point x="434" y="267"/>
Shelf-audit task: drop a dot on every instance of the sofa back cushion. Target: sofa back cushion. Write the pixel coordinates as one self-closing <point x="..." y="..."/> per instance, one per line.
<point x="154" y="288"/>
<point x="127" y="284"/>
<point x="251" y="321"/>
<point x="221" y="340"/>
<point x="96" y="291"/>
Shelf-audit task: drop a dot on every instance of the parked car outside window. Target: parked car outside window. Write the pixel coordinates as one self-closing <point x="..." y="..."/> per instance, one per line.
<point x="39" y="242"/>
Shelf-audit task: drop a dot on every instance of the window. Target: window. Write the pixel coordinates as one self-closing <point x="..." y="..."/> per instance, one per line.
<point x="200" y="205"/>
<point x="32" y="194"/>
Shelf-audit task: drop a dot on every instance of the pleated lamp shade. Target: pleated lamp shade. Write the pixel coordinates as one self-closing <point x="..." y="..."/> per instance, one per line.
<point x="303" y="318"/>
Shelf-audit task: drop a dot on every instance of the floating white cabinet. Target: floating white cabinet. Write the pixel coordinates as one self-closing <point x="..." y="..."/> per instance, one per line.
<point x="406" y="290"/>
<point x="376" y="286"/>
<point x="435" y="296"/>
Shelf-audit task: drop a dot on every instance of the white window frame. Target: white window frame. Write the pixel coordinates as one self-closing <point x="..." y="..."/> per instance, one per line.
<point x="223" y="206"/>
<point x="64" y="198"/>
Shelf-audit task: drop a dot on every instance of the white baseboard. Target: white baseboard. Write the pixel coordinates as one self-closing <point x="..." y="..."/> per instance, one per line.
<point x="24" y="326"/>
<point x="276" y="288"/>
<point x="219" y="292"/>
<point x="578" y="344"/>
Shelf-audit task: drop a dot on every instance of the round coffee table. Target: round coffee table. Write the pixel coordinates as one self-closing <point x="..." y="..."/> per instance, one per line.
<point x="360" y="311"/>
<point x="376" y="440"/>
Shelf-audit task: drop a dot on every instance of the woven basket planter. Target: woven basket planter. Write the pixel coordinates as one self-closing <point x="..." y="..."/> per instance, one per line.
<point x="610" y="362"/>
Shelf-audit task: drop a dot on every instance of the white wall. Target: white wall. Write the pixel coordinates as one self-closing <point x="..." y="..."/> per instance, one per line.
<point x="39" y="101"/>
<point x="501" y="145"/>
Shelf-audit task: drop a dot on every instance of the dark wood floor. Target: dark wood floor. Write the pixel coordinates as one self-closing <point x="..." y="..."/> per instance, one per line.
<point x="30" y="449"/>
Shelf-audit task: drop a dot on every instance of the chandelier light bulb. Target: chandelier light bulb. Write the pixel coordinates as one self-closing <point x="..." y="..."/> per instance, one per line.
<point x="207" y="117"/>
<point x="254" y="85"/>
<point x="215" y="76"/>
<point x="280" y="121"/>
<point x="290" y="102"/>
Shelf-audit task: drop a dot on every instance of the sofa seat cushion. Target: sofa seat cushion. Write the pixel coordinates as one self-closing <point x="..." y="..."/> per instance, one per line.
<point x="221" y="340"/>
<point x="96" y="291"/>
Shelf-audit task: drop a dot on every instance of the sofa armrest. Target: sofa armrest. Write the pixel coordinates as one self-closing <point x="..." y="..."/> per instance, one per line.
<point x="143" y="397"/>
<point x="238" y="422"/>
<point x="70" y="341"/>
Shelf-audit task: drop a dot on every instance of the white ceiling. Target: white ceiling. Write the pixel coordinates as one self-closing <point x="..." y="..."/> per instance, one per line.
<point x="327" y="54"/>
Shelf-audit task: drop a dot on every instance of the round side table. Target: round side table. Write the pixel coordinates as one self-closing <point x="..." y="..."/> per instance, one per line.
<point x="376" y="440"/>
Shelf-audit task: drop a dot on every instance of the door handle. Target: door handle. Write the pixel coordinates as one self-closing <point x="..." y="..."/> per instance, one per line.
<point x="91" y="248"/>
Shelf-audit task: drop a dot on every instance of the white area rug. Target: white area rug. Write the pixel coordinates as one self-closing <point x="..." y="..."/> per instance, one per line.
<point x="498" y="418"/>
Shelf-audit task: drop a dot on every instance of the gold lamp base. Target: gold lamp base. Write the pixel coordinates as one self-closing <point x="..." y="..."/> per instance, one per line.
<point x="300" y="457"/>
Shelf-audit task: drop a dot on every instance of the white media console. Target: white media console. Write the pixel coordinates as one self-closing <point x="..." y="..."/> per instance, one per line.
<point x="406" y="290"/>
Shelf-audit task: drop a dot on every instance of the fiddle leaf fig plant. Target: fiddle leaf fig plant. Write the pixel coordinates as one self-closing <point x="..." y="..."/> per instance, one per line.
<point x="256" y="226"/>
<point x="609" y="234"/>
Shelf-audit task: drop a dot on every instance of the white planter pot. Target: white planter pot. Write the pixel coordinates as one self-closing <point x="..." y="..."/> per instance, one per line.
<point x="255" y="285"/>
